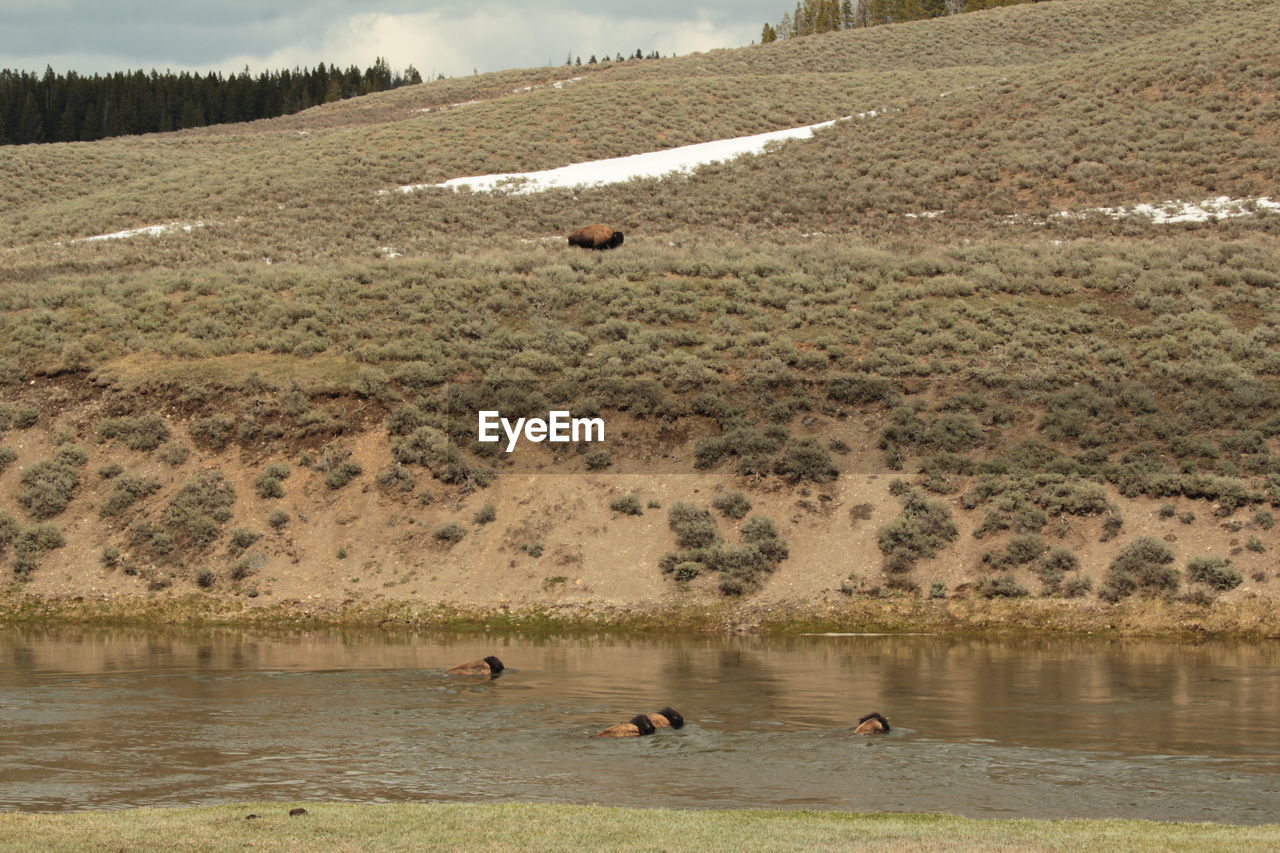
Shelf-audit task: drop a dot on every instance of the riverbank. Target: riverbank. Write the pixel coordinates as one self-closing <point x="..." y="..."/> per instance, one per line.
<point x="524" y="826"/>
<point x="1245" y="619"/>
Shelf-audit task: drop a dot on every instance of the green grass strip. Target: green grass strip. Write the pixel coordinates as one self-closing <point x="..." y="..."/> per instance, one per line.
<point x="526" y="826"/>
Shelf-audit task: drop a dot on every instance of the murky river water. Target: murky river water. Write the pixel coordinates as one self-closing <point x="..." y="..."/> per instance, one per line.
<point x="1163" y="730"/>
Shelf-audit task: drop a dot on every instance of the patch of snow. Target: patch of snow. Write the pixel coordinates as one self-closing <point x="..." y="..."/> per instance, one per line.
<point x="446" y="107"/>
<point x="558" y="84"/>
<point x="389" y="253"/>
<point x="1173" y="212"/>
<point x="150" y="230"/>
<point x="924" y="214"/>
<point x="1166" y="212"/>
<point x="652" y="164"/>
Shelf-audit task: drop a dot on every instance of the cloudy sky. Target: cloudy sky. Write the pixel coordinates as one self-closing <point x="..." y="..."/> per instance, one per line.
<point x="436" y="36"/>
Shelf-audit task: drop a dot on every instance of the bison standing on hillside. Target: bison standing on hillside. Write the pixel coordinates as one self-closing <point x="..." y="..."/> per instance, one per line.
<point x="596" y="237"/>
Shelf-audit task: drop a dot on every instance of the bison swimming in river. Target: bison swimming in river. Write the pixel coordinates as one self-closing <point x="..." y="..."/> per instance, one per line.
<point x="872" y="724"/>
<point x="645" y="724"/>
<point x="596" y="237"/>
<point x="666" y="718"/>
<point x="640" y="725"/>
<point x="488" y="666"/>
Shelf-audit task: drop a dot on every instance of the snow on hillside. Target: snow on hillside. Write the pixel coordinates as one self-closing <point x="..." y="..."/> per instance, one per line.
<point x="652" y="164"/>
<point x="150" y="230"/>
<point x="1172" y="212"/>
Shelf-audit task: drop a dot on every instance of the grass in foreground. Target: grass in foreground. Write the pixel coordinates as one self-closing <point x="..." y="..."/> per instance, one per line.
<point x="344" y="826"/>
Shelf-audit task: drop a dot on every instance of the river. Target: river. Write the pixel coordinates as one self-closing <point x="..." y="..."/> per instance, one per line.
<point x="109" y="718"/>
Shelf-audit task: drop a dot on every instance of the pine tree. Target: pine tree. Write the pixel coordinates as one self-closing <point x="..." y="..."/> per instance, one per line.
<point x="30" y="124"/>
<point x="768" y="34"/>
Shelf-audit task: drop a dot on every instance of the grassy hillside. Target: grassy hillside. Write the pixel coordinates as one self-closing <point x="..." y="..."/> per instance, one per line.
<point x="1077" y="404"/>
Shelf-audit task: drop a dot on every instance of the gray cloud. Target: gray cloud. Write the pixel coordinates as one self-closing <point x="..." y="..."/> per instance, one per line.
<point x="445" y="36"/>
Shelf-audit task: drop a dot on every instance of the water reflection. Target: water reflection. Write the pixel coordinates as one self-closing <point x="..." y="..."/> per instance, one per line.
<point x="1165" y="730"/>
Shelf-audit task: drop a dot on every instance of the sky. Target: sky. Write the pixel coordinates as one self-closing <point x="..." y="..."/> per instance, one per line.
<point x="450" y="37"/>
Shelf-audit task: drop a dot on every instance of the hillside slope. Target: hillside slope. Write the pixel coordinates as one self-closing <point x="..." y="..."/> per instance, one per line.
<point x="935" y="347"/>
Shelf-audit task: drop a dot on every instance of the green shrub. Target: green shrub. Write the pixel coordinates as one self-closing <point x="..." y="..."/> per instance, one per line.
<point x="142" y="433"/>
<point x="270" y="482"/>
<point x="485" y="514"/>
<point x="1144" y="565"/>
<point x="247" y="566"/>
<point x="126" y="492"/>
<point x="1052" y="568"/>
<point x="241" y="538"/>
<point x="174" y="454"/>
<point x="1076" y="587"/>
<point x="110" y="557"/>
<point x="47" y="487"/>
<point x="342" y="473"/>
<point x="9" y="530"/>
<point x="30" y="546"/>
<point x="1020" y="550"/>
<point x="626" y="505"/>
<point x="215" y="431"/>
<point x="1214" y="572"/>
<point x="598" y="460"/>
<point x="268" y="487"/>
<point x="397" y="476"/>
<point x="856" y="389"/>
<point x="687" y="571"/>
<point x="924" y="528"/>
<point x="694" y="527"/>
<point x="110" y="470"/>
<point x="709" y="450"/>
<point x="733" y="504"/>
<point x="761" y="532"/>
<point x="451" y="533"/>
<point x="205" y="578"/>
<point x="277" y="519"/>
<point x="7" y="457"/>
<point x="742" y="567"/>
<point x="937" y="589"/>
<point x="198" y="510"/>
<point x="1001" y="586"/>
<point x="806" y="459"/>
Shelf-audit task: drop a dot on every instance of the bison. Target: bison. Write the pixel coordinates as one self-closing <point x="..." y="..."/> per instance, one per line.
<point x="666" y="718"/>
<point x="638" y="726"/>
<point x="488" y="666"/>
<point x="872" y="724"/>
<point x="596" y="237"/>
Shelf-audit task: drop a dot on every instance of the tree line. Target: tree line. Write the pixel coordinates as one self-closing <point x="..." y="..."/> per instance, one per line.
<point x="76" y="108"/>
<point x="824" y="16"/>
